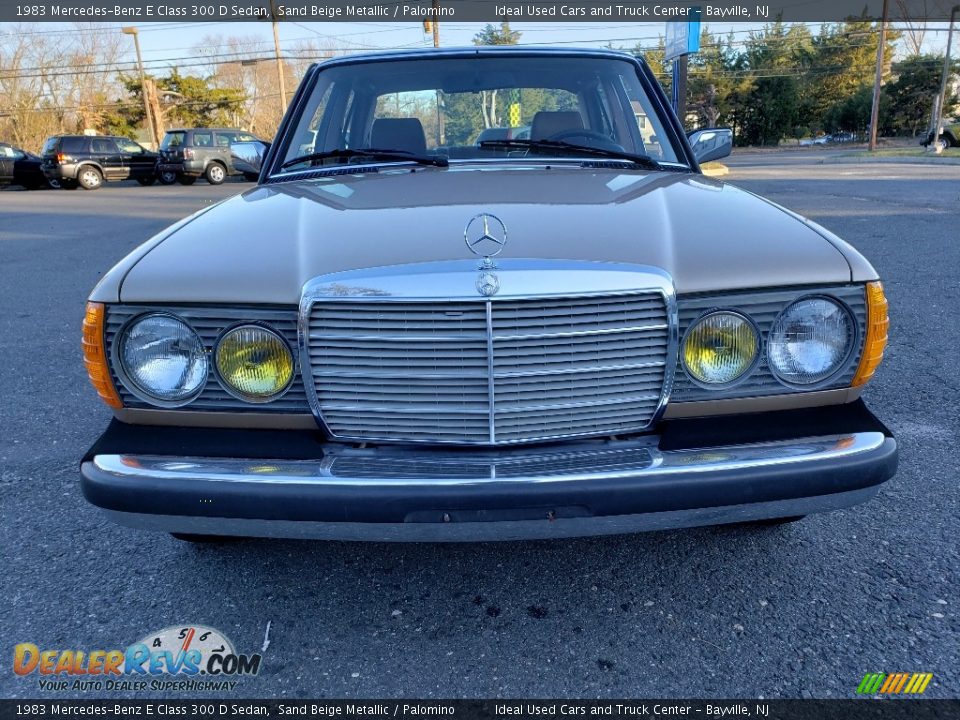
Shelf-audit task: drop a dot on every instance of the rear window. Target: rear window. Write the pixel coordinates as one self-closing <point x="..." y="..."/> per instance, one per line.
<point x="173" y="140"/>
<point x="104" y="145"/>
<point x="50" y="145"/>
<point x="73" y="145"/>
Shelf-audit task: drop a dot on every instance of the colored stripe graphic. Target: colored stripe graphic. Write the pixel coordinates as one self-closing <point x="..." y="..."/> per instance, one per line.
<point x="891" y="679"/>
<point x="870" y="683"/>
<point x="892" y="684"/>
<point x="927" y="677"/>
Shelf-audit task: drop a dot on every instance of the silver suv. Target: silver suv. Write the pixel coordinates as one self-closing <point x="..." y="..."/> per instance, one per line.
<point x="189" y="153"/>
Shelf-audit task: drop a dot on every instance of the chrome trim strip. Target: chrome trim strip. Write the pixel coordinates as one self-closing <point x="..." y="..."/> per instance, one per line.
<point x="320" y="472"/>
<point x="506" y="530"/>
<point x="454" y="281"/>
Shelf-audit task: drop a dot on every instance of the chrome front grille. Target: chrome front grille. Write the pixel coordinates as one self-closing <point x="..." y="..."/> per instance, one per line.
<point x="488" y="371"/>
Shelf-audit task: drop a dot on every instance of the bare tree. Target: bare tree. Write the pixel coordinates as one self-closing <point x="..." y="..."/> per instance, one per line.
<point x="915" y="26"/>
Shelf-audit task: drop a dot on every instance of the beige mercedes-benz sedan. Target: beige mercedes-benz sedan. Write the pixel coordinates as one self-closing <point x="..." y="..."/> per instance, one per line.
<point x="410" y="332"/>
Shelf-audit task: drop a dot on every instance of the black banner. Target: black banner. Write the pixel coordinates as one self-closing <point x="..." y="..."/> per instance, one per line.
<point x="145" y="11"/>
<point x="864" y="709"/>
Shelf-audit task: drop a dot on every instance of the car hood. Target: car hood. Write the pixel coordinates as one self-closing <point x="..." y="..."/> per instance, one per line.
<point x="263" y="245"/>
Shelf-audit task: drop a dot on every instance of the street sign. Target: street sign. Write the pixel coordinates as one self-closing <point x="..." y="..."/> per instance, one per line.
<point x="683" y="36"/>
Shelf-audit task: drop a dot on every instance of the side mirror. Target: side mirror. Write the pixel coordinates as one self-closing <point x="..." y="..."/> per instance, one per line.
<point x="711" y="143"/>
<point x="248" y="156"/>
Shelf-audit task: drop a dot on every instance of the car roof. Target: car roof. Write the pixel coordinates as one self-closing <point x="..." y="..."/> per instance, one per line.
<point x="476" y="51"/>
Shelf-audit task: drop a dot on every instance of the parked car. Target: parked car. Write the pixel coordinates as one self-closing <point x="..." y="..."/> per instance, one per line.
<point x="949" y="134"/>
<point x="189" y="153"/>
<point x="91" y="160"/>
<point x="569" y="334"/>
<point x="20" y="167"/>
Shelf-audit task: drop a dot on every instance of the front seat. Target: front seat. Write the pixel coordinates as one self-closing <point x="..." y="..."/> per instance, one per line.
<point x="546" y="124"/>
<point x="398" y="134"/>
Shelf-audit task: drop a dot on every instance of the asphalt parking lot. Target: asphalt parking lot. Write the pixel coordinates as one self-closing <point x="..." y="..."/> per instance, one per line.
<point x="798" y="611"/>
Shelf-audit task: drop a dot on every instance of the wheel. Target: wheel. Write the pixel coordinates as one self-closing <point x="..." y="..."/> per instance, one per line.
<point x="215" y="173"/>
<point x="54" y="184"/>
<point x="68" y="184"/>
<point x="204" y="539"/>
<point x="167" y="177"/>
<point x="146" y="181"/>
<point x="185" y="180"/>
<point x="89" y="178"/>
<point x="251" y="177"/>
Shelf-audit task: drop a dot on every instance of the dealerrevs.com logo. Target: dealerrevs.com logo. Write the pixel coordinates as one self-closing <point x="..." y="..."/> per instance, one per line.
<point x="182" y="657"/>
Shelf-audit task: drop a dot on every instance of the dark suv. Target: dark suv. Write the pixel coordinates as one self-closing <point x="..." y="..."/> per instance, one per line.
<point x="188" y="153"/>
<point x="89" y="160"/>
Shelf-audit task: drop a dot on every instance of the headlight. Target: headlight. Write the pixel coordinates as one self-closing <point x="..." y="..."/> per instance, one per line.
<point x="254" y="363"/>
<point x="810" y="340"/>
<point x="163" y="358"/>
<point x="720" y="347"/>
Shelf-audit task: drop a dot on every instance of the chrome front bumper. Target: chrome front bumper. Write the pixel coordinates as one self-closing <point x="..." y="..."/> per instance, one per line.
<point x="588" y="488"/>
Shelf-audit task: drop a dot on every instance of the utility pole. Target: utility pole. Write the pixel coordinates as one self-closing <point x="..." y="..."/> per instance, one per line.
<point x="276" y="47"/>
<point x="942" y="97"/>
<point x="441" y="135"/>
<point x="131" y="30"/>
<point x="878" y="80"/>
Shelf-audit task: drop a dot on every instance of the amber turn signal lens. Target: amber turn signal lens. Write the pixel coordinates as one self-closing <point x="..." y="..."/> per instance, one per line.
<point x="95" y="356"/>
<point x="878" y="323"/>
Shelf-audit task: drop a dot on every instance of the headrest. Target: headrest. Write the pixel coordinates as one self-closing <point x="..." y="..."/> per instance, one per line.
<point x="546" y="124"/>
<point x="398" y="134"/>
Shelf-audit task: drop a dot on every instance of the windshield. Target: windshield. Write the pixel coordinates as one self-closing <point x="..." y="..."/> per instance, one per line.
<point x="478" y="108"/>
<point x="173" y="140"/>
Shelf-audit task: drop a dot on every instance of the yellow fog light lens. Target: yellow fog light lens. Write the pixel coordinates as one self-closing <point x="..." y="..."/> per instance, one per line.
<point x="254" y="363"/>
<point x="720" y="347"/>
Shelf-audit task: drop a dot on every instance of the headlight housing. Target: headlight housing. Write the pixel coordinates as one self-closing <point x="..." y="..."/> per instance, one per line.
<point x="810" y="341"/>
<point x="254" y="363"/>
<point x="720" y="348"/>
<point x="162" y="359"/>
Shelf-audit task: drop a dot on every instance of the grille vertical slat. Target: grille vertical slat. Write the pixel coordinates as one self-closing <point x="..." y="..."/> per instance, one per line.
<point x="489" y="371"/>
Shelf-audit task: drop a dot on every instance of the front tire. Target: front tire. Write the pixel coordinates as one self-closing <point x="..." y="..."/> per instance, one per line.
<point x="167" y="177"/>
<point x="215" y="173"/>
<point x="90" y="178"/>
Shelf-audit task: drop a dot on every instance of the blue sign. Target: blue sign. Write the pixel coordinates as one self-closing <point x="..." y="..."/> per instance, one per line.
<point x="683" y="36"/>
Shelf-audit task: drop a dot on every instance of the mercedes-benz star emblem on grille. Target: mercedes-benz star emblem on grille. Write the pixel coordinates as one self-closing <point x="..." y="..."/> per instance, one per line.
<point x="485" y="235"/>
<point x="488" y="284"/>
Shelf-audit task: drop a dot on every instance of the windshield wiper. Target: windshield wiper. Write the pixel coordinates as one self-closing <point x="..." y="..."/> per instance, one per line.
<point x="382" y="154"/>
<point x="643" y="160"/>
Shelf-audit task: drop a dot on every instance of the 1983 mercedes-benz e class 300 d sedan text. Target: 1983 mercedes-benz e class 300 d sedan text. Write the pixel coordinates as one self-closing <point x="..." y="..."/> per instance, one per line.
<point x="405" y="334"/>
